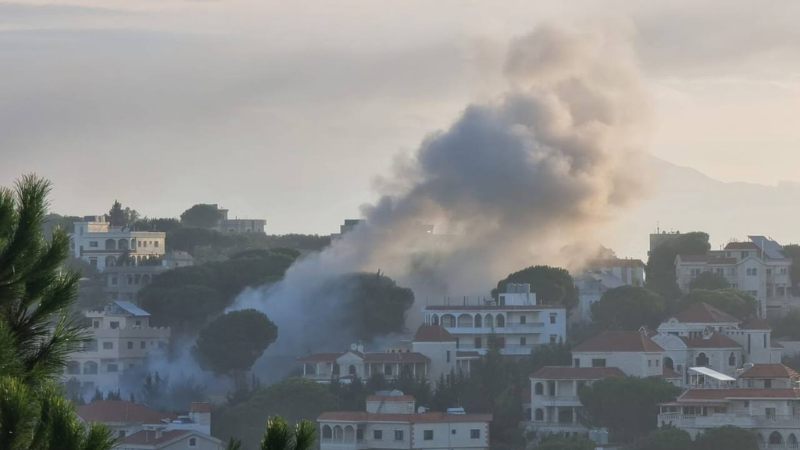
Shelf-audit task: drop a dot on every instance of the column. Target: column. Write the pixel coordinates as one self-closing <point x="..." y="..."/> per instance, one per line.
<point x="558" y="414"/>
<point x="574" y="415"/>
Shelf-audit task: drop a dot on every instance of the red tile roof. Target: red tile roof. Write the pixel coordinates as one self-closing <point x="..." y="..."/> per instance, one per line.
<point x="200" y="407"/>
<point x="716" y="340"/>
<point x="150" y="437"/>
<point x="742" y="246"/>
<point x="577" y="373"/>
<point x="721" y="261"/>
<point x="618" y="341"/>
<point x="694" y="258"/>
<point x="400" y="357"/>
<point x="390" y="398"/>
<point x="721" y="394"/>
<point x="770" y="371"/>
<point x="491" y="307"/>
<point x="614" y="262"/>
<point x="120" y="411"/>
<point x="755" y="323"/>
<point x="433" y="333"/>
<point x="428" y="417"/>
<point x="705" y="313"/>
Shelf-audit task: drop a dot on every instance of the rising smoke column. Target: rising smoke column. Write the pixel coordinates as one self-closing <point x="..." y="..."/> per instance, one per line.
<point x="508" y="184"/>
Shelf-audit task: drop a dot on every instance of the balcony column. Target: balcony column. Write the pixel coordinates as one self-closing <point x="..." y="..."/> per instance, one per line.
<point x="574" y="388"/>
<point x="558" y="415"/>
<point x="574" y="415"/>
<point x="555" y="382"/>
<point x="304" y="369"/>
<point x="414" y="369"/>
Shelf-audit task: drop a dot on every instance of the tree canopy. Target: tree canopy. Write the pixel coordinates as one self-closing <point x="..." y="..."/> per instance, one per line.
<point x="661" y="274"/>
<point x="788" y="326"/>
<point x="727" y="437"/>
<point x="558" y="354"/>
<point x="233" y="342"/>
<point x="733" y="301"/>
<point x="793" y="251"/>
<point x="201" y="215"/>
<point x="709" y="281"/>
<point x="665" y="438"/>
<point x="377" y="305"/>
<point x="627" y="308"/>
<point x="119" y="217"/>
<point x="552" y="285"/>
<point x="558" y="442"/>
<point x="627" y="406"/>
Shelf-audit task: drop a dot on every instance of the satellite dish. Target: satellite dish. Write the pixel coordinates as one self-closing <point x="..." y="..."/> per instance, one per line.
<point x="421" y="409"/>
<point x="353" y="347"/>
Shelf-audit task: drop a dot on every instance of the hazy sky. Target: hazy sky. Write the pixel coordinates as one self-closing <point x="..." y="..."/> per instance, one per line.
<point x="289" y="110"/>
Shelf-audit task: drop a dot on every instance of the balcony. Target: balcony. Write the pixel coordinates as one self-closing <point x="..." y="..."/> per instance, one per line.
<point x="557" y="400"/>
<point x="510" y="327"/>
<point x="739" y="420"/>
<point x="343" y="444"/>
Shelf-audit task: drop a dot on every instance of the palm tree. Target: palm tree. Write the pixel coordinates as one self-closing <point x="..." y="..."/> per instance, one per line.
<point x="278" y="436"/>
<point x="37" y="331"/>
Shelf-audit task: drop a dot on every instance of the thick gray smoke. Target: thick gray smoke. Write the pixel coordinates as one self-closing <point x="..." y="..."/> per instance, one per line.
<point x="506" y="186"/>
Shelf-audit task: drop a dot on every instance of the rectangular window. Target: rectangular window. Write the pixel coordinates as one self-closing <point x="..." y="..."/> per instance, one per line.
<point x="398" y="435"/>
<point x="448" y="356"/>
<point x="93" y="262"/>
<point x="769" y="272"/>
<point x="658" y="362"/>
<point x="576" y="362"/>
<point x="142" y="345"/>
<point x="112" y="367"/>
<point x="478" y="342"/>
<point x="387" y="369"/>
<point x="523" y="341"/>
<point x="649" y="363"/>
<point x="523" y="320"/>
<point x="108" y="345"/>
<point x="475" y="433"/>
<point x="553" y="338"/>
<point x="93" y="244"/>
<point x="138" y="243"/>
<point x="377" y="435"/>
<point x="601" y="362"/>
<point x="553" y="318"/>
<point x="138" y="323"/>
<point x="768" y="384"/>
<point x="114" y="325"/>
<point x="427" y="435"/>
<point x="156" y="244"/>
<point x="114" y="281"/>
<point x="96" y="324"/>
<point x="130" y="345"/>
<point x="121" y="434"/>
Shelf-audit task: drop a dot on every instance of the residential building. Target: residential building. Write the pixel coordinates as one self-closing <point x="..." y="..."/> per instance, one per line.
<point x="137" y="426"/>
<point x="121" y="339"/>
<point x="515" y="318"/>
<point x="177" y="258"/>
<point x="555" y="406"/>
<point x="348" y="226"/>
<point x="124" y="282"/>
<point x="597" y="277"/>
<point x="766" y="402"/>
<point x="633" y="352"/>
<point x="392" y="423"/>
<point x="236" y="226"/>
<point x="757" y="267"/>
<point x="95" y="241"/>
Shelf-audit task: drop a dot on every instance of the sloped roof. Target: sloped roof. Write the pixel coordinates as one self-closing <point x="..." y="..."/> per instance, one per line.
<point x="131" y="308"/>
<point x="576" y="373"/>
<point x="149" y="437"/>
<point x="705" y="313"/>
<point x="200" y="407"/>
<point x="716" y="340"/>
<point x="121" y="411"/>
<point x="618" y="341"/>
<point x="755" y="323"/>
<point x="770" y="371"/>
<point x="668" y="373"/>
<point x="433" y="333"/>
<point x="427" y="417"/>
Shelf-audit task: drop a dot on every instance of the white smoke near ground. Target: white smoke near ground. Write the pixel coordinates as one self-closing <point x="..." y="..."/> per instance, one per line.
<point x="506" y="186"/>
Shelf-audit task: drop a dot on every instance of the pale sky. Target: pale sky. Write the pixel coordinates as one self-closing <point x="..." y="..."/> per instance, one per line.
<point x="289" y="110"/>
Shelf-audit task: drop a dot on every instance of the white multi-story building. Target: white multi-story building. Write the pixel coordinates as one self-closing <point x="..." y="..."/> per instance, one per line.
<point x="757" y="267"/>
<point x="519" y="323"/>
<point x="392" y="423"/>
<point x="600" y="275"/>
<point x="95" y="241"/>
<point x="124" y="282"/>
<point x="767" y="402"/>
<point x="633" y="352"/>
<point x="121" y="339"/>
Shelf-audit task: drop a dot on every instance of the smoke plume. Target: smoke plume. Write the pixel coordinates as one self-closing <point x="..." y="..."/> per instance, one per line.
<point x="506" y="186"/>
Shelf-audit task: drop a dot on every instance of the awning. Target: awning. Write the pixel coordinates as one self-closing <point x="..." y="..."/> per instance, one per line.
<point x="711" y="373"/>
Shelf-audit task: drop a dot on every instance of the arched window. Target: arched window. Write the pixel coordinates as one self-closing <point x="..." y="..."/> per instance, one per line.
<point x="539" y="415"/>
<point x="732" y="359"/>
<point x="489" y="321"/>
<point x="192" y="442"/>
<point x="464" y="321"/>
<point x="130" y="280"/>
<point x="338" y="433"/>
<point x="668" y="363"/>
<point x="111" y="244"/>
<point x="760" y="438"/>
<point x="539" y="389"/>
<point x="74" y="368"/>
<point x="792" y="439"/>
<point x="501" y="321"/>
<point x="351" y="370"/>
<point x="775" y="438"/>
<point x="349" y="433"/>
<point x="701" y="360"/>
<point x="90" y="368"/>
<point x="435" y="320"/>
<point x="111" y="261"/>
<point x="123" y="244"/>
<point x="478" y="321"/>
<point x="448" y="321"/>
<point x="327" y="433"/>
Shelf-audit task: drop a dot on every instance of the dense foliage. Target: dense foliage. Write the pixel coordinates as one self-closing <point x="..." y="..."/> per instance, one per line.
<point x="661" y="263"/>
<point x="558" y="442"/>
<point x="727" y="437"/>
<point x="233" y="342"/>
<point x="628" y="308"/>
<point x="788" y="326"/>
<point x="201" y="215"/>
<point x="733" y="301"/>
<point x="627" y="406"/>
<point x="709" y="281"/>
<point x="375" y="305"/>
<point x="552" y="285"/>
<point x="665" y="438"/>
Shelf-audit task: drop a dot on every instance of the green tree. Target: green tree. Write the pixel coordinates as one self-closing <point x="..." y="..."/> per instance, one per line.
<point x="727" y="437"/>
<point x="202" y="216"/>
<point x="37" y="332"/>
<point x="232" y="343"/>
<point x="119" y="217"/>
<point x="558" y="354"/>
<point x="627" y="308"/>
<point x="185" y="309"/>
<point x="733" y="301"/>
<point x="788" y="326"/>
<point x="661" y="274"/>
<point x="709" y="281"/>
<point x="665" y="438"/>
<point x="574" y="442"/>
<point x="294" y="399"/>
<point x="627" y="406"/>
<point x="552" y="285"/>
<point x="278" y="436"/>
<point x="793" y="251"/>
<point x="375" y="304"/>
